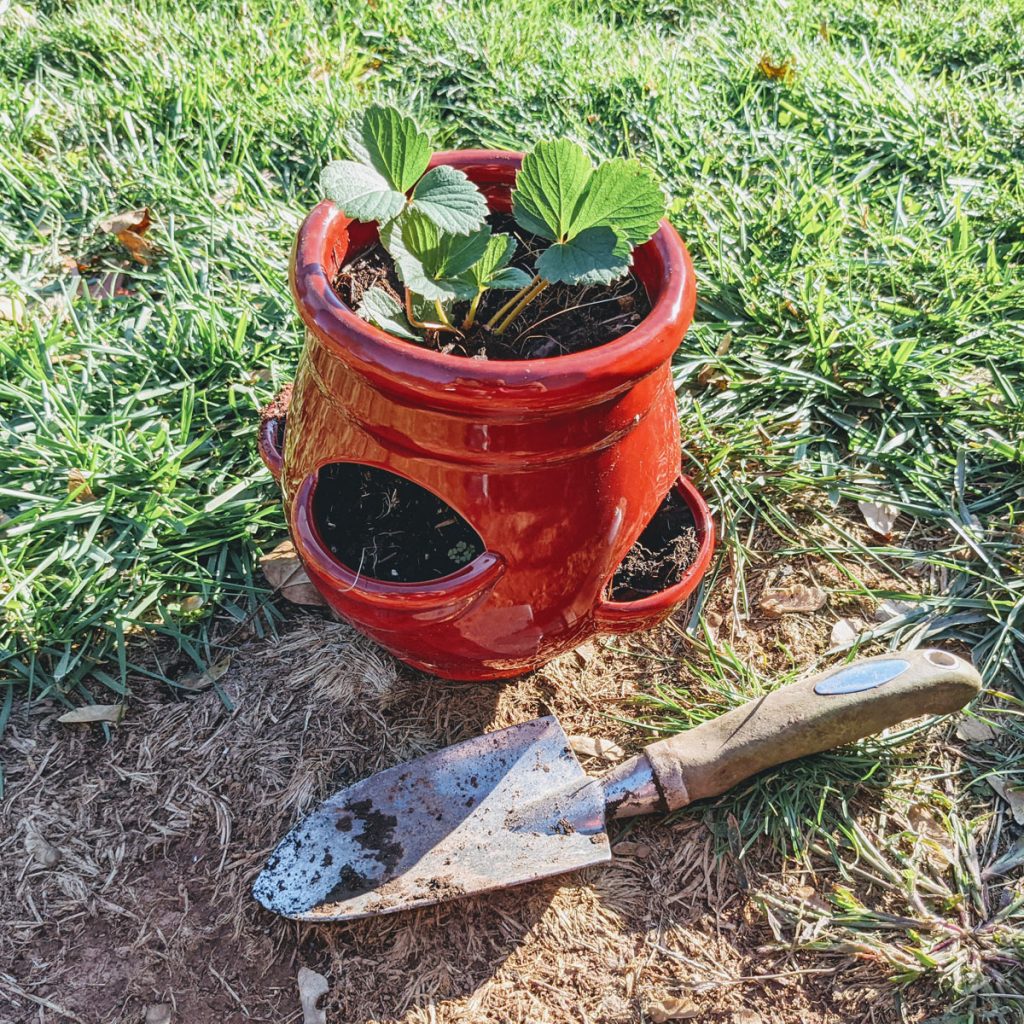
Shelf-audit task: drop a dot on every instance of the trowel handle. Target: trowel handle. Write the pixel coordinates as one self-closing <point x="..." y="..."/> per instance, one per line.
<point x="825" y="711"/>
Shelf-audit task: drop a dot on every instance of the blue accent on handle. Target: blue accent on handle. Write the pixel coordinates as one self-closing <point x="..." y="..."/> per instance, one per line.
<point x="862" y="677"/>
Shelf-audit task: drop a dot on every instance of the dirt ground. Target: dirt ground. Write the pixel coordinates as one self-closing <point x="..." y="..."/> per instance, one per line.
<point x="125" y="866"/>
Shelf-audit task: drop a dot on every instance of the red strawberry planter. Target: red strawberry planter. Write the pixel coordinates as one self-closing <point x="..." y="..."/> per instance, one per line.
<point x="557" y="464"/>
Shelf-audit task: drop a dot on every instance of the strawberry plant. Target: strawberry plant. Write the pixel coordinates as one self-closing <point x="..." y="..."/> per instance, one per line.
<point x="433" y="224"/>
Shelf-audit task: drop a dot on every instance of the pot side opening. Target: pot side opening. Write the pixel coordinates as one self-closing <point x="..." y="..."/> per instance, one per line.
<point x="385" y="527"/>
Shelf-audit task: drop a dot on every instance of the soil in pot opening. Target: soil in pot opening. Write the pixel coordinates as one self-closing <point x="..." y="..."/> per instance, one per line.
<point x="563" y="319"/>
<point x="383" y="526"/>
<point x="667" y="547"/>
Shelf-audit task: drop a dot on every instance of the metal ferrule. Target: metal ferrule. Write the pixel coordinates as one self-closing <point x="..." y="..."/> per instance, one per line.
<point x="630" y="789"/>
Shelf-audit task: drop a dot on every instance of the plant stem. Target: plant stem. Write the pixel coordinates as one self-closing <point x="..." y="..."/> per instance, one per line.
<point x="441" y="314"/>
<point x="426" y="324"/>
<point x="511" y="302"/>
<point x="523" y="303"/>
<point x="471" y="315"/>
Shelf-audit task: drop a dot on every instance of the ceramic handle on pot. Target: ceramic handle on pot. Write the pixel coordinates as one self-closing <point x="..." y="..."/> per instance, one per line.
<point x="825" y="711"/>
<point x="270" y="440"/>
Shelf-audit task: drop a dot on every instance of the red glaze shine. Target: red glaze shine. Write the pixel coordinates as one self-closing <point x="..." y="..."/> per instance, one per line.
<point x="557" y="463"/>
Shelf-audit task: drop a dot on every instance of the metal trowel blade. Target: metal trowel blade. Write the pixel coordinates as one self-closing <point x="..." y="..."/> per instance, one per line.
<point x="498" y="810"/>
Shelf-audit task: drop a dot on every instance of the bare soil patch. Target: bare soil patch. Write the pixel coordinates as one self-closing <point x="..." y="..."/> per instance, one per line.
<point x="161" y="831"/>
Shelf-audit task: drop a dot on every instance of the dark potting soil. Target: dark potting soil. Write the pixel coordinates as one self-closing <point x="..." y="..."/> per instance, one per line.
<point x="562" y="319"/>
<point x="667" y="547"/>
<point x="383" y="526"/>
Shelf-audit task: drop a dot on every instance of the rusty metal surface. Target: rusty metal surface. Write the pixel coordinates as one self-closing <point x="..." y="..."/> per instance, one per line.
<point x="501" y="809"/>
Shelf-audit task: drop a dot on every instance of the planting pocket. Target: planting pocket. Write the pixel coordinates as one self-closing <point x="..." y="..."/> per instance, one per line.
<point x="386" y="527"/>
<point x="663" y="567"/>
<point x="271" y="436"/>
<point x="381" y="548"/>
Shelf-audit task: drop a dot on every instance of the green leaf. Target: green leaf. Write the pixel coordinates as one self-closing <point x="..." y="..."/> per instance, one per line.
<point x="431" y="261"/>
<point x="510" y="279"/>
<point x="450" y="200"/>
<point x="360" y="191"/>
<point x="395" y="145"/>
<point x="383" y="309"/>
<point x="622" y="195"/>
<point x="548" y="187"/>
<point x="500" y="249"/>
<point x="595" y="256"/>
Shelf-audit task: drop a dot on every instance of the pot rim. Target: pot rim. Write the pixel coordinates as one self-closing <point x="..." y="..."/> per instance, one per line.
<point x="462" y="382"/>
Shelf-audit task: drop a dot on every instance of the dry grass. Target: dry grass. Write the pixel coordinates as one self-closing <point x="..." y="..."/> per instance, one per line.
<point x="161" y="832"/>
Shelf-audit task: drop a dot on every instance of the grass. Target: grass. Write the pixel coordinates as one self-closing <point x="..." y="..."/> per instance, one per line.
<point x="857" y="225"/>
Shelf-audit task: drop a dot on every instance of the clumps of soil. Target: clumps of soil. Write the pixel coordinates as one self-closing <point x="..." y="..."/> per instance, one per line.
<point x="667" y="547"/>
<point x="386" y="527"/>
<point x="563" y="319"/>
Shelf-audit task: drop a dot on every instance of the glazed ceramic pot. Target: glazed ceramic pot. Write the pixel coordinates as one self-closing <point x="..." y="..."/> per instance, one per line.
<point x="557" y="463"/>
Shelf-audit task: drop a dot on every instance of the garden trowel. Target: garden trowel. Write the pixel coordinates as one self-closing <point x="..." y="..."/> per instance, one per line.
<point x="514" y="805"/>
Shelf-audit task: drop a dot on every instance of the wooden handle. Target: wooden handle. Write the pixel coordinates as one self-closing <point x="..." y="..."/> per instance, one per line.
<point x="825" y="711"/>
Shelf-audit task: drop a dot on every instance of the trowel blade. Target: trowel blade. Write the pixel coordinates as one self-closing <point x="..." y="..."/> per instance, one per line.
<point x="497" y="810"/>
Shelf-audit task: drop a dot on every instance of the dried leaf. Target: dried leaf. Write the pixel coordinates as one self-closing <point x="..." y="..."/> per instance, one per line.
<point x="1013" y="795"/>
<point x="783" y="71"/>
<point x="747" y="1017"/>
<point x="128" y="228"/>
<point x="973" y="730"/>
<point x="879" y="516"/>
<point x="787" y="600"/>
<point x="42" y="852"/>
<point x="192" y="603"/>
<point x="204" y="680"/>
<point x="285" y="574"/>
<point x="809" y="896"/>
<point x="585" y="652"/>
<point x="845" y="632"/>
<point x="627" y="849"/>
<point x="932" y="838"/>
<point x="672" y="1008"/>
<point x="590" y="746"/>
<point x="78" y="486"/>
<point x="889" y="610"/>
<point x="312" y="987"/>
<point x="158" y="1013"/>
<point x="94" y="713"/>
<point x="12" y="309"/>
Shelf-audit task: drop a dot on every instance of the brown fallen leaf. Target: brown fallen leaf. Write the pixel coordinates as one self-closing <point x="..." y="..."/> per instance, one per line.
<point x="197" y="681"/>
<point x="746" y="1017"/>
<point x="787" y="600"/>
<point x="42" y="852"/>
<point x="591" y="746"/>
<point x="1013" y="795"/>
<point x="93" y="713"/>
<point x="932" y="838"/>
<point x="628" y="849"/>
<point x="845" y="632"/>
<point x="286" y="576"/>
<point x="879" y="516"/>
<point x="312" y="987"/>
<point x="973" y="730"/>
<point x="777" y="71"/>
<point x="889" y="610"/>
<point x="128" y="228"/>
<point x="672" y="1008"/>
<point x="12" y="309"/>
<point x="78" y="486"/>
